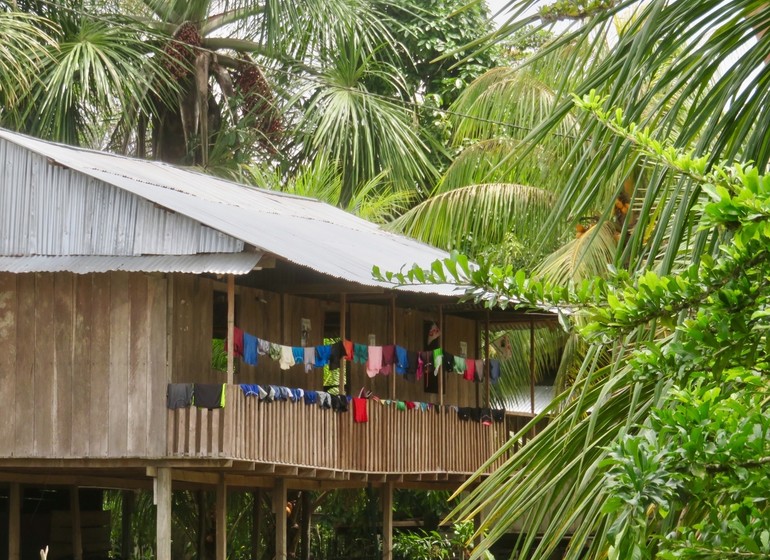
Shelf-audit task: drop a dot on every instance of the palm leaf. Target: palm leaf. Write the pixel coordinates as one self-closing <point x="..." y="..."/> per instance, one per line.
<point x="583" y="258"/>
<point x="462" y="217"/>
<point x="363" y="134"/>
<point x="25" y="45"/>
<point x="491" y="161"/>
<point x="505" y="102"/>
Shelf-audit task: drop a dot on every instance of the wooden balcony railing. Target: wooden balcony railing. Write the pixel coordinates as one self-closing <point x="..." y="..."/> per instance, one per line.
<point x="286" y="433"/>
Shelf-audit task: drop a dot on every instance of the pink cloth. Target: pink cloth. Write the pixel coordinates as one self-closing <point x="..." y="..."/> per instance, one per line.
<point x="374" y="364"/>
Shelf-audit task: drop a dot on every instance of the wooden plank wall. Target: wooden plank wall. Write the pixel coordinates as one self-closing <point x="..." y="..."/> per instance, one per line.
<point x="83" y="367"/>
<point x="192" y="309"/>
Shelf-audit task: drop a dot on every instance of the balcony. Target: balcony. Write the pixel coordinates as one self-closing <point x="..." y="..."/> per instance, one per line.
<point x="415" y="444"/>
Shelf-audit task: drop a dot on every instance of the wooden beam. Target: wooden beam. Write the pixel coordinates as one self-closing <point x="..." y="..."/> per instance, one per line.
<point x="14" y="522"/>
<point x="304" y="543"/>
<point x="230" y="327"/>
<point x="486" y="360"/>
<point x="221" y="519"/>
<point x="83" y="481"/>
<point x="256" y="527"/>
<point x="77" y="526"/>
<point x="387" y="521"/>
<point x="203" y="525"/>
<point x="279" y="510"/>
<point x="325" y="288"/>
<point x="393" y="341"/>
<point x="441" y="345"/>
<point x="126" y="515"/>
<point x="113" y="463"/>
<point x="163" y="513"/>
<point x="195" y="477"/>
<point x="343" y="330"/>
<point x="532" y="366"/>
<point x="248" y="481"/>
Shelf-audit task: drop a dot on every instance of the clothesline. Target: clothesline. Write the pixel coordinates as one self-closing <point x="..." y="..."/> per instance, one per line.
<point x="378" y="360"/>
<point x="212" y="395"/>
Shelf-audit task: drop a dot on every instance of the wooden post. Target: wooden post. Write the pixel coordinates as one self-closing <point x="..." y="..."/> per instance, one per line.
<point x="279" y="509"/>
<point x="486" y="359"/>
<point x="256" y="518"/>
<point x="203" y="524"/>
<point x="387" y="520"/>
<point x="126" y="514"/>
<point x="532" y="366"/>
<point x="440" y="345"/>
<point x="163" y="513"/>
<point x="230" y="328"/>
<point x="393" y="339"/>
<point x="343" y="330"/>
<point x="14" y="522"/>
<point x="221" y="520"/>
<point x="476" y="354"/>
<point x="306" y="504"/>
<point x="77" y="526"/>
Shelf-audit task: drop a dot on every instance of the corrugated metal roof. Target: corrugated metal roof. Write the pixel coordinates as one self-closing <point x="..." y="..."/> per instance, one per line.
<point x="64" y="212"/>
<point x="523" y="403"/>
<point x="304" y="231"/>
<point x="221" y="263"/>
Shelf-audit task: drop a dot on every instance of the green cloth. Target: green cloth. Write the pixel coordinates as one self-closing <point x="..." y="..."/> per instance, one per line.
<point x="459" y="364"/>
<point x="400" y="405"/>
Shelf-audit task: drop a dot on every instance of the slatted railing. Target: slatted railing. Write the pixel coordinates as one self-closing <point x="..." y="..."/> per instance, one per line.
<point x="307" y="436"/>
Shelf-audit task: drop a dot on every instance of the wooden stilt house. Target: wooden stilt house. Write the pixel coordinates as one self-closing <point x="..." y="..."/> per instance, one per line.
<point x="115" y="276"/>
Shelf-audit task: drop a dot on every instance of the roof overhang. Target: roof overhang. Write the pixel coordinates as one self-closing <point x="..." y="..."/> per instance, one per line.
<point x="214" y="263"/>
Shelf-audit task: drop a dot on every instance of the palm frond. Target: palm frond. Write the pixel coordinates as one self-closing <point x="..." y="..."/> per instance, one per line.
<point x="586" y="257"/>
<point x="25" y="45"/>
<point x="707" y="93"/>
<point x="493" y="161"/>
<point x="477" y="216"/>
<point x="100" y="68"/>
<point x="362" y="133"/>
<point x="506" y="102"/>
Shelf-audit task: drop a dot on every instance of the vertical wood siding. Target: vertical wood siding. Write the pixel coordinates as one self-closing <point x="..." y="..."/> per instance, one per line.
<point x="83" y="367"/>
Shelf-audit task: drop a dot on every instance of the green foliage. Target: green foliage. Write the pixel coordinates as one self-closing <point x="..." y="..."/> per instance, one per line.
<point x="665" y="451"/>
<point x="574" y="9"/>
<point x="435" y="545"/>
<point x="431" y="35"/>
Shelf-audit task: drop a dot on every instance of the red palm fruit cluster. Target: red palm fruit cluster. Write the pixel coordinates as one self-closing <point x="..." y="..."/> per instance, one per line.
<point x="180" y="52"/>
<point x="257" y="98"/>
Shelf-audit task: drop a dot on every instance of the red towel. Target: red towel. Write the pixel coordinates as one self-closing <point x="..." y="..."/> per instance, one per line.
<point x="237" y="342"/>
<point x="348" y="346"/>
<point x="470" y="370"/>
<point x="359" y="410"/>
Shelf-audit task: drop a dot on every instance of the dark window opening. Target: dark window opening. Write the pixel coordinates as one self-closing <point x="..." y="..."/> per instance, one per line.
<point x="331" y="333"/>
<point x="219" y="326"/>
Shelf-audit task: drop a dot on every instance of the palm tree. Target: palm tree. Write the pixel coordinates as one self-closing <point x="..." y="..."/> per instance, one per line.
<point x="219" y="85"/>
<point x="500" y="189"/>
<point x="701" y="87"/>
